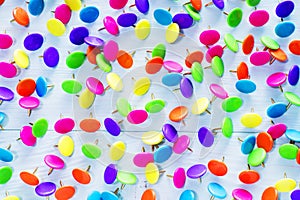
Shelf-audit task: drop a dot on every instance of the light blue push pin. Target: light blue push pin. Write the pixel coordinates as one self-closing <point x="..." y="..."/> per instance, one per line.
<point x="89" y="14"/>
<point x="6" y="155"/>
<point x="248" y="144"/>
<point x="3" y="119"/>
<point x="188" y="195"/>
<point x="217" y="191"/>
<point x="162" y="154"/>
<point x="284" y="29"/>
<point x="163" y="17"/>
<point x="245" y="86"/>
<point x="108" y="195"/>
<point x="95" y="195"/>
<point x="42" y="86"/>
<point x="171" y="79"/>
<point x="293" y="135"/>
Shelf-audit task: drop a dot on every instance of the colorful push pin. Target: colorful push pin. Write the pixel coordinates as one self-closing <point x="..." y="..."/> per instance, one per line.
<point x="141" y="5"/>
<point x="234" y="17"/>
<point x="197" y="4"/>
<point x="102" y="63"/>
<point x="30" y="178"/>
<point x="292" y="135"/>
<point x="152" y="138"/>
<point x="10" y="197"/>
<point x="65" y="146"/>
<point x="152" y="173"/>
<point x="92" y="52"/>
<point x="251" y="120"/>
<point x="71" y="86"/>
<point x="269" y="43"/>
<point x="183" y="20"/>
<point x="277" y="130"/>
<point x="288" y="151"/>
<point x="110" y="195"/>
<point x="42" y="86"/>
<point x="114" y="82"/>
<point x="178" y="177"/>
<point x="252" y="3"/>
<point x="54" y="162"/>
<point x="111" y="50"/>
<point x="137" y="116"/>
<point x="21" y="58"/>
<point x="249" y="176"/>
<point x="270" y="193"/>
<point x="192" y="57"/>
<point x="218" y="3"/>
<point x="6" y="41"/>
<point x="33" y="41"/>
<point x="257" y="157"/>
<point x="259" y="18"/>
<point x="123" y="107"/>
<point x="276" y="109"/>
<point x="232" y="104"/>
<point x="293" y="75"/>
<point x="90" y="124"/>
<point x="192" y="11"/>
<point x="110" y="174"/>
<point x="293" y="99"/>
<point x="285" y="184"/>
<point x="94" y="85"/>
<point x="51" y="57"/>
<point x="171" y="79"/>
<point x="162" y="154"/>
<point x="196" y="171"/>
<point x="227" y="127"/>
<point x="6" y="155"/>
<point x="143" y="158"/>
<point x="245" y="86"/>
<point x="264" y="140"/>
<point x="125" y="59"/>
<point x="27" y="136"/>
<point x="116" y="4"/>
<point x="45" y="189"/>
<point x="29" y="103"/>
<point x="186" y="87"/>
<point x="26" y="87"/>
<point x="209" y="37"/>
<point x="206" y="137"/>
<point x="117" y="150"/>
<point x="196" y="72"/>
<point x="6" y="173"/>
<point x="40" y="127"/>
<point x="75" y="59"/>
<point x="217" y="66"/>
<point x="158" y="51"/>
<point x="277" y="79"/>
<point x="163" y="17"/>
<point x="142" y="29"/>
<point x="188" y="195"/>
<point x="82" y="176"/>
<point x="112" y="127"/>
<point x="20" y="16"/>
<point x="6" y="94"/>
<point x="170" y="133"/>
<point x="78" y="34"/>
<point x="218" y="92"/>
<point x="127" y="19"/>
<point x="216" y="190"/>
<point x="8" y="70"/>
<point x="178" y="114"/>
<point x="200" y="106"/>
<point x="260" y="58"/>
<point x="231" y="43"/>
<point x="89" y="14"/>
<point x="63" y="13"/>
<point x="248" y="44"/>
<point x="154" y="65"/>
<point x="148" y="194"/>
<point x="155" y="105"/>
<point x="55" y="27"/>
<point x="91" y="151"/>
<point x="141" y="86"/>
<point x="94" y="41"/>
<point x="126" y="178"/>
<point x="172" y="66"/>
<point x="182" y="144"/>
<point x="217" y="167"/>
<point x="86" y="99"/>
<point x="110" y="25"/>
<point x="74" y="5"/>
<point x="248" y="144"/>
<point x="294" y="47"/>
<point x="172" y="33"/>
<point x="284" y="29"/>
<point x="216" y="50"/>
<point x="241" y="194"/>
<point x="278" y="54"/>
<point x="64" y="192"/>
<point x="36" y="7"/>
<point x="284" y="9"/>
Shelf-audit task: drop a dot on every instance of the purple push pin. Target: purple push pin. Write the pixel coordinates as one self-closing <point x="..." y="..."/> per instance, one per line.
<point x="241" y="194"/>
<point x="182" y="144"/>
<point x="170" y="133"/>
<point x="213" y="51"/>
<point x="293" y="76"/>
<point x="64" y="125"/>
<point x="142" y="6"/>
<point x="111" y="50"/>
<point x="54" y="162"/>
<point x="51" y="57"/>
<point x="78" y="34"/>
<point x="196" y="171"/>
<point x="45" y="189"/>
<point x="29" y="103"/>
<point x="276" y="80"/>
<point x="186" y="87"/>
<point x="137" y="116"/>
<point x="94" y="41"/>
<point x="110" y="25"/>
<point x="33" y="41"/>
<point x="112" y="126"/>
<point x="27" y="137"/>
<point x="127" y="19"/>
<point x="206" y="137"/>
<point x="6" y="94"/>
<point x="8" y="70"/>
<point x="63" y="13"/>
<point x="218" y="3"/>
<point x="110" y="174"/>
<point x="94" y="85"/>
<point x="183" y="20"/>
<point x="172" y="66"/>
<point x="218" y="92"/>
<point x="143" y="159"/>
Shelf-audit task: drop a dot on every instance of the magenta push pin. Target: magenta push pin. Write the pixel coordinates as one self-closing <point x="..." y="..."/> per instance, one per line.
<point x="64" y="125"/>
<point x="276" y="80"/>
<point x="218" y="92"/>
<point x="26" y="136"/>
<point x="182" y="144"/>
<point x="143" y="158"/>
<point x="29" y="103"/>
<point x="110" y="25"/>
<point x="179" y="177"/>
<point x="54" y="162"/>
<point x="8" y="70"/>
<point x="137" y="116"/>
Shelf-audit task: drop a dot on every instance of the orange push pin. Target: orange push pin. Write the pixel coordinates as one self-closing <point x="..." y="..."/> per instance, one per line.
<point x="178" y="114"/>
<point x="20" y="16"/>
<point x="30" y="178"/>
<point x="125" y="59"/>
<point x="82" y="176"/>
<point x="90" y="124"/>
<point x="241" y="71"/>
<point x="217" y="167"/>
<point x="64" y="192"/>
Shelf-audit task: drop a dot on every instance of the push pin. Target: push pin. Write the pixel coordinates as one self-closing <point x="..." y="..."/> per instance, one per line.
<point x="91" y="151"/>
<point x="63" y="13"/>
<point x="152" y="173"/>
<point x="234" y="17"/>
<point x="192" y="11"/>
<point x="277" y="54"/>
<point x="86" y="99"/>
<point x="8" y="70"/>
<point x="217" y="167"/>
<point x="276" y="80"/>
<point x="20" y="16"/>
<point x="196" y="72"/>
<point x="117" y="150"/>
<point x="126" y="178"/>
<point x="39" y="127"/>
<point x="21" y="58"/>
<point x="241" y="71"/>
<point x="64" y="125"/>
<point x="217" y="66"/>
<point x="141" y="86"/>
<point x="50" y="57"/>
<point x="178" y="114"/>
<point x="90" y="124"/>
<point x="112" y="127"/>
<point x="92" y="52"/>
<point x="259" y="18"/>
<point x="257" y="157"/>
<point x="200" y="106"/>
<point x="272" y="192"/>
<point x="249" y="176"/>
<point x="45" y="189"/>
<point x="218" y="3"/>
<point x="155" y="105"/>
<point x="6" y="173"/>
<point x="64" y="192"/>
<point x="123" y="107"/>
<point x="141" y="5"/>
<point x="9" y="197"/>
<point x="152" y="138"/>
<point x="293" y="99"/>
<point x="148" y="194"/>
<point x="248" y="44"/>
<point x="26" y="87"/>
<point x="110" y="51"/>
<point x="30" y="178"/>
<point x="143" y="158"/>
<point x="6" y="94"/>
<point x="162" y="154"/>
<point x="110" y="174"/>
<point x="114" y="82"/>
<point x="206" y="137"/>
<point x="284" y="9"/>
<point x="251" y="120"/>
<point x="29" y="103"/>
<point x="137" y="116"/>
<point x="82" y="176"/>
<point x="26" y="136"/>
<point x="216" y="190"/>
<point x="196" y="171"/>
<point x="3" y="120"/>
<point x="71" y="86"/>
<point x="285" y="184"/>
<point x="154" y="65"/>
<point x="264" y="140"/>
<point x="110" y="25"/>
<point x="288" y="151"/>
<point x="218" y="92"/>
<point x="276" y="130"/>
<point x="75" y="59"/>
<point x="65" y="146"/>
<point x="125" y="59"/>
<point x="276" y="109"/>
<point x="172" y="66"/>
<point x="240" y="193"/>
<point x="42" y="87"/>
<point x="54" y="162"/>
<point x="127" y="20"/>
<point x="158" y="51"/>
<point x="182" y="144"/>
<point x="178" y="177"/>
<point x="231" y="43"/>
<point x="6" y="154"/>
<point x="232" y="103"/>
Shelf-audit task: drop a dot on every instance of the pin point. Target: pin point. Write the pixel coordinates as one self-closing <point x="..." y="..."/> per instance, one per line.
<point x="241" y="194"/>
<point x="110" y="25"/>
<point x="152" y="138"/>
<point x="56" y="27"/>
<point x="231" y="42"/>
<point x="172" y="66"/>
<point x="117" y="150"/>
<point x="234" y="17"/>
<point x="78" y="34"/>
<point x="152" y="173"/>
<point x="259" y="18"/>
<point x="54" y="162"/>
<point x="186" y="87"/>
<point x="217" y="66"/>
<point x="112" y="126"/>
<point x="45" y="189"/>
<point x="125" y="59"/>
<point x="257" y="157"/>
<point x="137" y="116"/>
<point x="33" y="42"/>
<point x="216" y="190"/>
<point x="206" y="137"/>
<point x="51" y="57"/>
<point x="293" y="75"/>
<point x="111" y="50"/>
<point x="63" y="13"/>
<point x="172" y="33"/>
<point x="6" y="173"/>
<point x="82" y="176"/>
<point x="293" y="99"/>
<point x="65" y="192"/>
<point x="142" y="6"/>
<point x="270" y="193"/>
<point x="277" y="54"/>
<point x="217" y="167"/>
<point x="284" y="9"/>
<point x="232" y="104"/>
<point x="30" y="178"/>
<point x="90" y="124"/>
<point x="6" y="94"/>
<point x="264" y="140"/>
<point x="196" y="171"/>
<point x="179" y="177"/>
<point x="154" y="65"/>
<point x="21" y="58"/>
<point x="251" y="120"/>
<point x="94" y="85"/>
<point x="65" y="146"/>
<point x="171" y="79"/>
<point x="141" y="86"/>
<point x="178" y="114"/>
<point x="183" y="20"/>
<point x="216" y="50"/>
<point x="200" y="106"/>
<point x="284" y="29"/>
<point x="288" y="151"/>
<point x="116" y="4"/>
<point x="91" y="151"/>
<point x="276" y="109"/>
<point x="192" y="57"/>
<point x="102" y="63"/>
<point x="75" y="59"/>
<point x="74" y="5"/>
<point x="20" y="16"/>
<point x="110" y="174"/>
<point x="218" y="92"/>
<point x="277" y="130"/>
<point x="182" y="144"/>
<point x="27" y="136"/>
<point x="294" y="47"/>
<point x="162" y="154"/>
<point x="126" y="178"/>
<point x="29" y="103"/>
<point x="248" y="44"/>
<point x="142" y="29"/>
<point x="127" y="19"/>
<point x="196" y="72"/>
<point x="89" y="14"/>
<point x="86" y="99"/>
<point x="148" y="194"/>
<point x="8" y="70"/>
<point x="143" y="158"/>
<point x="71" y="86"/>
<point x="277" y="79"/>
<point x="285" y="184"/>
<point x="192" y="11"/>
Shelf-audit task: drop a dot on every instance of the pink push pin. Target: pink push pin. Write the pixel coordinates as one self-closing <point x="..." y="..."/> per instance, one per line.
<point x="26" y="136"/>
<point x="218" y="92"/>
<point x="8" y="70"/>
<point x="137" y="116"/>
<point x="277" y="130"/>
<point x="64" y="125"/>
<point x="213" y="51"/>
<point x="179" y="177"/>
<point x="94" y="85"/>
<point x="172" y="66"/>
<point x="29" y="103"/>
<point x="143" y="159"/>
<point x="241" y="194"/>
<point x="260" y="58"/>
<point x="277" y="80"/>
<point x="117" y="4"/>
<point x="5" y="41"/>
<point x="110" y="25"/>
<point x="63" y="13"/>
<point x="182" y="144"/>
<point x="111" y="50"/>
<point x="209" y="37"/>
<point x="259" y="18"/>
<point x="54" y="162"/>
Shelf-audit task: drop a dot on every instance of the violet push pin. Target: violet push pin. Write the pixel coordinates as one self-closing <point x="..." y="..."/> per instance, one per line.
<point x="293" y="75"/>
<point x="78" y="34"/>
<point x="112" y="127"/>
<point x="184" y="20"/>
<point x="170" y="133"/>
<point x="64" y="192"/>
<point x="6" y="94"/>
<point x="64" y="125"/>
<point x="54" y="162"/>
<point x="110" y="174"/>
<point x="50" y="57"/>
<point x="206" y="137"/>
<point x="94" y="41"/>
<point x="127" y="20"/>
<point x="45" y="189"/>
<point x="141" y="5"/>
<point x="186" y="87"/>
<point x="33" y="41"/>
<point x="143" y="158"/>
<point x="82" y="176"/>
<point x="196" y="171"/>
<point x="27" y="137"/>
<point x="30" y="178"/>
<point x="284" y="9"/>
<point x="110" y="25"/>
<point x="91" y="151"/>
<point x="218" y="3"/>
<point x="90" y="124"/>
<point x="241" y="71"/>
<point x="179" y="177"/>
<point x="8" y="70"/>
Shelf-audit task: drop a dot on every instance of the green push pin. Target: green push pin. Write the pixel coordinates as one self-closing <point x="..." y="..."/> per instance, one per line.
<point x="269" y="43"/>
<point x="196" y="72"/>
<point x="293" y="99"/>
<point x="288" y="151"/>
<point x="6" y="173"/>
<point x="91" y="151"/>
<point x="257" y="157"/>
<point x="232" y="104"/>
<point x="123" y="107"/>
<point x="231" y="42"/>
<point x="155" y="105"/>
<point x="158" y="51"/>
<point x="217" y="66"/>
<point x="71" y="86"/>
<point x="227" y="127"/>
<point x="39" y="127"/>
<point x="102" y="63"/>
<point x="75" y="59"/>
<point x="252" y="3"/>
<point x="192" y="11"/>
<point x="126" y="178"/>
<point x="234" y="17"/>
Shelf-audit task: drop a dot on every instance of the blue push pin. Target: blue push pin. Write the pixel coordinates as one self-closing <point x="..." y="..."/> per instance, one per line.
<point x="42" y="86"/>
<point x="127" y="19"/>
<point x="245" y="86"/>
<point x="110" y="195"/>
<point x="142" y="6"/>
<point x="248" y="144"/>
<point x="183" y="20"/>
<point x="163" y="17"/>
<point x="171" y="79"/>
<point x="293" y="75"/>
<point x="284" y="29"/>
<point x="284" y="9"/>
<point x="162" y="154"/>
<point x="188" y="195"/>
<point x="89" y="14"/>
<point x="3" y="119"/>
<point x="6" y="155"/>
<point x="217" y="191"/>
<point x="276" y="109"/>
<point x="36" y="7"/>
<point x="293" y="135"/>
<point x="95" y="195"/>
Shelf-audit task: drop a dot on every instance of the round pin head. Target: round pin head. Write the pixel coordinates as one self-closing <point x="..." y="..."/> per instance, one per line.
<point x="154" y="65"/>
<point x="66" y="145"/>
<point x="6" y="94"/>
<point x="188" y="195"/>
<point x="143" y="158"/>
<point x="148" y="194"/>
<point x="292" y="135"/>
<point x="245" y="86"/>
<point x="162" y="154"/>
<point x="102" y="63"/>
<point x="276" y="110"/>
<point x="125" y="59"/>
<point x="234" y="17"/>
<point x="94" y="85"/>
<point x="248" y="44"/>
<point x="21" y="16"/>
<point x="111" y="50"/>
<point x="227" y="127"/>
<point x="159" y="51"/>
<point x="294" y="47"/>
<point x="278" y="54"/>
<point x="91" y="151"/>
<point x="3" y="118"/>
<point x="259" y="18"/>
<point x="172" y="33"/>
<point x="141" y="86"/>
<point x="152" y="138"/>
<point x="248" y="144"/>
<point x="163" y="17"/>
<point x="75" y="59"/>
<point x="127" y="19"/>
<point x="252" y="3"/>
<point x="231" y="42"/>
<point x="183" y="20"/>
<point x="40" y="128"/>
<point x="152" y="173"/>
<point x="292" y="98"/>
<point x="78" y="34"/>
<point x="137" y="116"/>
<point x="197" y="72"/>
<point x="65" y="192"/>
<point x="41" y="86"/>
<point x="172" y="66"/>
<point x="54" y="162"/>
<point x="200" y="106"/>
<point x="179" y="178"/>
<point x="109" y="195"/>
<point x="206" y="137"/>
<point x="284" y="9"/>
<point x="181" y="144"/>
<point x="71" y="86"/>
<point x="251" y="120"/>
<point x="45" y="189"/>
<point x="26" y="136"/>
<point x="217" y="167"/>
<point x="196" y="171"/>
<point x="110" y="174"/>
<point x="29" y="103"/>
<point x="117" y="4"/>
<point x="265" y="141"/>
<point x="171" y="79"/>
<point x="249" y="176"/>
<point x="6" y="174"/>
<point x="6" y="155"/>
<point x="241" y="194"/>
<point x="192" y="11"/>
<point x="232" y="104"/>
<point x="142" y="29"/>
<point x="26" y="87"/>
<point x="21" y="58"/>
<point x="186" y="87"/>
<point x="117" y="150"/>
<point x="74" y="5"/>
<point x="276" y="79"/>
<point x="284" y="29"/>
<point x="89" y="125"/>
<point x="33" y="41"/>
<point x="269" y="42"/>
<point x="126" y="178"/>
<point x="277" y="130"/>
<point x="218" y="91"/>
<point x="217" y="66"/>
<point x="111" y="25"/>
<point x="86" y="99"/>
<point x="217" y="190"/>
<point x="91" y="53"/>
<point x="295" y="194"/>
<point x="11" y="197"/>
<point x="94" y="41"/>
<point x="170" y="133"/>
<point x="51" y="57"/>
<point x="56" y="27"/>
<point x="209" y="37"/>
<point x="285" y="185"/>
<point x="95" y="195"/>
<point x="81" y="176"/>
<point x="8" y="70"/>
<point x="114" y="81"/>
<point x="112" y="127"/>
<point x="6" y="41"/>
<point x="270" y="193"/>
<point x="216" y="50"/>
<point x="89" y="14"/>
<point x="178" y="113"/>
<point x="293" y="75"/>
<point x="259" y="58"/>
<point x="192" y="57"/>
<point x="63" y="13"/>
<point x="257" y="157"/>
<point x="288" y="151"/>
